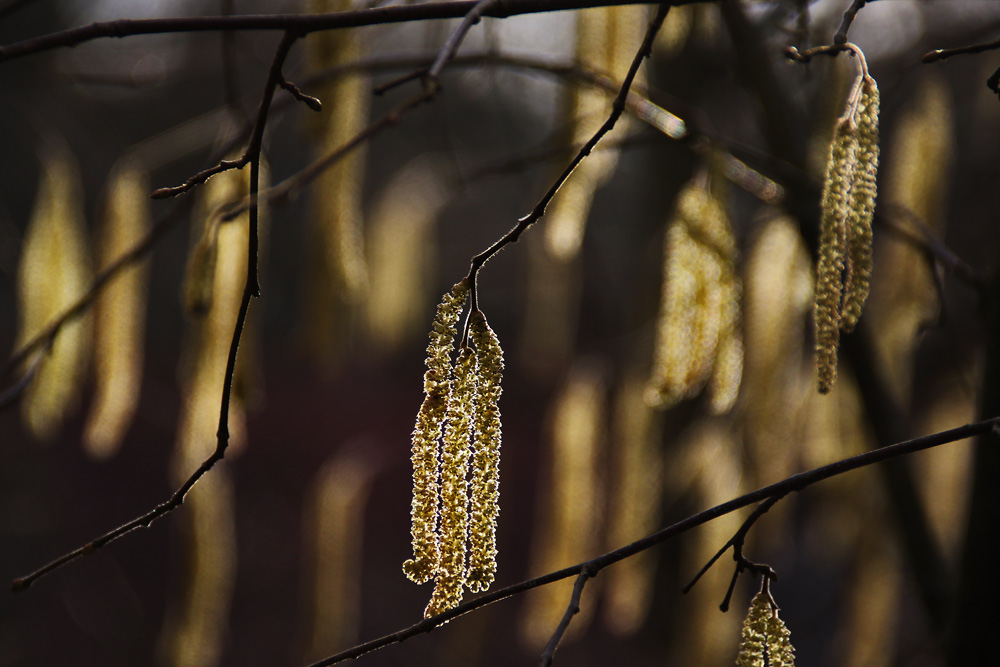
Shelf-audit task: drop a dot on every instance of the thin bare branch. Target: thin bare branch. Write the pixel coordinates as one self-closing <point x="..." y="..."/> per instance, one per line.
<point x="549" y="654"/>
<point x="199" y="178"/>
<point x="251" y="289"/>
<point x="312" y="102"/>
<point x="943" y="54"/>
<point x="795" y="483"/>
<point x="302" y="24"/>
<point x="617" y="108"/>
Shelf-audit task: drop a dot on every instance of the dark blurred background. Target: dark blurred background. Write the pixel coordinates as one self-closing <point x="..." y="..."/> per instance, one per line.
<point x="294" y="550"/>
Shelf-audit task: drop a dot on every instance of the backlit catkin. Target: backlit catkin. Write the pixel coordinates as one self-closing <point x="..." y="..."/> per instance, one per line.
<point x="426" y="432"/>
<point x="766" y="640"/>
<point x="484" y="506"/>
<point x="455" y="509"/>
<point x="844" y="269"/>
<point x="699" y="324"/>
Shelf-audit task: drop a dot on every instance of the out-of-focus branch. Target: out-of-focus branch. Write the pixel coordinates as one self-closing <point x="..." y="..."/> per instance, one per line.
<point x="795" y="483"/>
<point x="303" y="24"/>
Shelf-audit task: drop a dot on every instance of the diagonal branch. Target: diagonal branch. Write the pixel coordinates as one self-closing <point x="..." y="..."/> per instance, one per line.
<point x="617" y="108"/>
<point x="795" y="483"/>
<point x="251" y="289"/>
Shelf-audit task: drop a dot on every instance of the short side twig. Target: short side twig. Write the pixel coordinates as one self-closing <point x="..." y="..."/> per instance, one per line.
<point x="943" y="54"/>
<point x="549" y="654"/>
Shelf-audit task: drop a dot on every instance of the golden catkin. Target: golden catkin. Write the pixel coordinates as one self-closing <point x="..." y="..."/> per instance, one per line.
<point x="843" y="272"/>
<point x="52" y="275"/>
<point x="427" y="431"/>
<point x="449" y="577"/>
<point x="698" y="334"/>
<point x="859" y="234"/>
<point x="119" y="313"/>
<point x="484" y="497"/>
<point x="766" y="640"/>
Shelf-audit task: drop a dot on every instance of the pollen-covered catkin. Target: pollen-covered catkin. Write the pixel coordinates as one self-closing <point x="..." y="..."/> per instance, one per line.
<point x="844" y="269"/>
<point x="454" y="528"/>
<point x="859" y="248"/>
<point x="426" y="432"/>
<point x="766" y="640"/>
<point x="485" y="487"/>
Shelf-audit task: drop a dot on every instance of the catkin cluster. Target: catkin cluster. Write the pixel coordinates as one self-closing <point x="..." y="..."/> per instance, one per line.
<point x="845" y="244"/>
<point x="456" y="460"/>
<point x="766" y="640"/>
<point x="699" y="337"/>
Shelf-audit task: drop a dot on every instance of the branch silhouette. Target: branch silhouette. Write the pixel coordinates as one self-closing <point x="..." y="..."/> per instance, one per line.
<point x="303" y="24"/>
<point x="795" y="483"/>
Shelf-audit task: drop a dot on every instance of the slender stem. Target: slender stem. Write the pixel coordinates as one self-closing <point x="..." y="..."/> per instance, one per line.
<point x="617" y="108"/>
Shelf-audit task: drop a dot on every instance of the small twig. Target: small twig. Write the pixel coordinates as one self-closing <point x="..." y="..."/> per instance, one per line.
<point x="617" y="108"/>
<point x="845" y="26"/>
<point x="455" y="40"/>
<point x="251" y="289"/>
<point x="742" y="563"/>
<point x="943" y="54"/>
<point x="549" y="654"/>
<point x="199" y="178"/>
<point x="795" y="483"/>
<point x="310" y="101"/>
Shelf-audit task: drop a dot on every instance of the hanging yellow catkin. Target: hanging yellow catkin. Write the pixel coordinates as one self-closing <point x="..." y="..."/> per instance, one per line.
<point x="53" y="274"/>
<point x="119" y="312"/>
<point x="456" y="448"/>
<point x="766" y="640"/>
<point x="426" y="432"/>
<point x="698" y="334"/>
<point x="847" y="205"/>
<point x="484" y="496"/>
